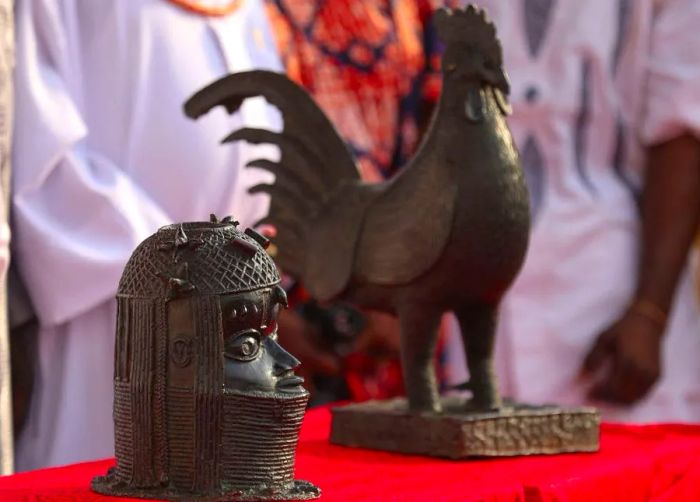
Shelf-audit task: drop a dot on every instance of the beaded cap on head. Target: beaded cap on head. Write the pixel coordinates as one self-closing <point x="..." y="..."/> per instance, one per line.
<point x="469" y="26"/>
<point x="210" y="258"/>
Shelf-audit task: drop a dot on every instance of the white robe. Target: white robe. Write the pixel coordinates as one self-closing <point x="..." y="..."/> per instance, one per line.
<point x="592" y="85"/>
<point x="6" y="106"/>
<point x="103" y="157"/>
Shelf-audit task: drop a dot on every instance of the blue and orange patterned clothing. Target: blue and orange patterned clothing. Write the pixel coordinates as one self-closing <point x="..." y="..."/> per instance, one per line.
<point x="367" y="64"/>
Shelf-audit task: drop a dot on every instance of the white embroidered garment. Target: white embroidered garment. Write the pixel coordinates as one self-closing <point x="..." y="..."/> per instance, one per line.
<point x="103" y="157"/>
<point x="593" y="82"/>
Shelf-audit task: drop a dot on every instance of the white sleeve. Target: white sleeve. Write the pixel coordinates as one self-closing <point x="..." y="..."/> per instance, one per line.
<point x="6" y="106"/>
<point x="77" y="217"/>
<point x="673" y="73"/>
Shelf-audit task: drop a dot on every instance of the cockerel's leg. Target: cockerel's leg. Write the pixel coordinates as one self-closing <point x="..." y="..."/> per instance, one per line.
<point x="478" y="324"/>
<point x="418" y="339"/>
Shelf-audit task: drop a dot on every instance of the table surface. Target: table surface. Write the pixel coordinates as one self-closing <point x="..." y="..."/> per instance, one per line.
<point x="636" y="463"/>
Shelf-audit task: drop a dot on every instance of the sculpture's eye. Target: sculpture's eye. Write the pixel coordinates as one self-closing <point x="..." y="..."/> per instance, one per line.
<point x="243" y="346"/>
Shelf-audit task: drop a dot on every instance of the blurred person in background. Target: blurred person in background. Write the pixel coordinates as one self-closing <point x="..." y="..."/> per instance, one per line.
<point x="104" y="156"/>
<point x="606" y="114"/>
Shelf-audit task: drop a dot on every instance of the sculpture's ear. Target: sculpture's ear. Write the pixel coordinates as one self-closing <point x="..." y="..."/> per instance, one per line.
<point x="441" y="21"/>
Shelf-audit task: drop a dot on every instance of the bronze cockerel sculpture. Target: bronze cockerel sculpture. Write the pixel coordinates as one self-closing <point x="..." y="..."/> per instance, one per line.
<point x="448" y="233"/>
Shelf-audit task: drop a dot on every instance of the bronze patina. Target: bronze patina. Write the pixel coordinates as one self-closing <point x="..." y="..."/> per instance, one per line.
<point x="206" y="402"/>
<point x="448" y="233"/>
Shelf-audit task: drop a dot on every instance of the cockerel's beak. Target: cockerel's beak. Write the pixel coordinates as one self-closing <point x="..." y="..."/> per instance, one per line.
<point x="503" y="82"/>
<point x="501" y="85"/>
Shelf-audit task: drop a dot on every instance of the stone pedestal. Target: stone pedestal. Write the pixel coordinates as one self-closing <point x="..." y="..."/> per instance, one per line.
<point x="514" y="430"/>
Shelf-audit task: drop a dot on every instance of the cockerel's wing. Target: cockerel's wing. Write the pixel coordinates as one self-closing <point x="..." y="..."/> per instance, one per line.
<point x="332" y="239"/>
<point x="407" y="227"/>
<point x="317" y="225"/>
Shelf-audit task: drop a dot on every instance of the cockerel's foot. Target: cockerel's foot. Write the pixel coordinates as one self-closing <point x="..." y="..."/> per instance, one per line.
<point x="462" y="386"/>
<point x="485" y="396"/>
<point x="424" y="406"/>
<point x="489" y="401"/>
<point x="482" y="406"/>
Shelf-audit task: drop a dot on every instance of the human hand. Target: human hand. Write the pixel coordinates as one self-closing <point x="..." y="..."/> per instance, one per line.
<point x="625" y="360"/>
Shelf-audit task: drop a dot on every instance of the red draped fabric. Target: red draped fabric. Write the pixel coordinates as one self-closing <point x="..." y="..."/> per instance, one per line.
<point x="636" y="463"/>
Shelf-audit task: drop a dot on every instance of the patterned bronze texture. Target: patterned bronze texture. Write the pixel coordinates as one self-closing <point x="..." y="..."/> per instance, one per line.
<point x="214" y="266"/>
<point x="182" y="431"/>
<point x="260" y="438"/>
<point x="513" y="430"/>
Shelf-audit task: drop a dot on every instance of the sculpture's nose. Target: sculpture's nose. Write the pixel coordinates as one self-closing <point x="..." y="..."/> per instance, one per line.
<point x="284" y="361"/>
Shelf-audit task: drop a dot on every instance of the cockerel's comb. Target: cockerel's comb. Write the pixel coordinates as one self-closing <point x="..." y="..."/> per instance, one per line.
<point x="468" y="26"/>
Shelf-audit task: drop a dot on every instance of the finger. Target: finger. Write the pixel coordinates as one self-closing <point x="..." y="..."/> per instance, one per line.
<point x="598" y="355"/>
<point x="625" y="384"/>
<point x="606" y="389"/>
<point x="268" y="231"/>
<point x="636" y="382"/>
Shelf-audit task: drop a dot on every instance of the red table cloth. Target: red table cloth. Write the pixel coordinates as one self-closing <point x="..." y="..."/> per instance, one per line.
<point x="636" y="463"/>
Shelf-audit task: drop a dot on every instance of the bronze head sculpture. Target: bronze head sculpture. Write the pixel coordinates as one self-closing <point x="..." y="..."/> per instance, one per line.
<point x="448" y="233"/>
<point x="206" y="402"/>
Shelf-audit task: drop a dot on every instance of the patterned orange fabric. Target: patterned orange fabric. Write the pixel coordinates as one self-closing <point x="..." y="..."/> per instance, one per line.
<point x="364" y="62"/>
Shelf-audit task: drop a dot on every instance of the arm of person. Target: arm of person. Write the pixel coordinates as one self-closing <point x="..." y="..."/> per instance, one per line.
<point x="77" y="216"/>
<point x="670" y="215"/>
<point x="629" y="352"/>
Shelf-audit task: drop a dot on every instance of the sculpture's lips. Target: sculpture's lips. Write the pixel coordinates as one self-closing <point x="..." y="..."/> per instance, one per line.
<point x="289" y="381"/>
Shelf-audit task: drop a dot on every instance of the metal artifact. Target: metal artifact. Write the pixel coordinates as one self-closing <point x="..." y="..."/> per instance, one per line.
<point x="206" y="402"/>
<point x="448" y="233"/>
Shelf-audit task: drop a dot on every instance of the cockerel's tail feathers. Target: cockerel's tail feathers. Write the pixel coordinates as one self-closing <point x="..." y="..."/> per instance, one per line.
<point x="265" y="164"/>
<point x="289" y="241"/>
<point x="302" y="116"/>
<point x="296" y="158"/>
<point x="283" y="177"/>
<point x="287" y="197"/>
<point x="317" y="200"/>
<point x="252" y="135"/>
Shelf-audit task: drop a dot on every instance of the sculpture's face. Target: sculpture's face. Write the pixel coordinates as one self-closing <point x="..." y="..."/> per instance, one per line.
<point x="254" y="361"/>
